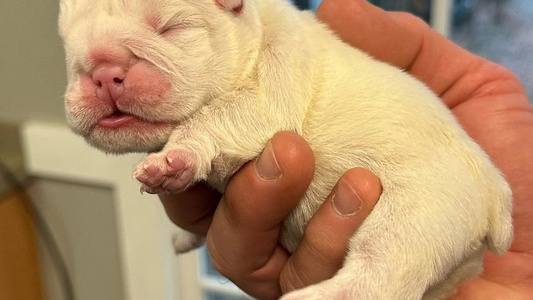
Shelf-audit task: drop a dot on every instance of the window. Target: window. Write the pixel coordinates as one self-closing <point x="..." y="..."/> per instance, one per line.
<point x="499" y="30"/>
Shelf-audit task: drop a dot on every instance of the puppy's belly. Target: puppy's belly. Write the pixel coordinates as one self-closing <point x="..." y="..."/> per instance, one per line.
<point x="421" y="155"/>
<point x="420" y="187"/>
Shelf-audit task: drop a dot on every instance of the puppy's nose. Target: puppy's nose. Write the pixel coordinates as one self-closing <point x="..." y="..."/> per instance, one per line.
<point x="109" y="81"/>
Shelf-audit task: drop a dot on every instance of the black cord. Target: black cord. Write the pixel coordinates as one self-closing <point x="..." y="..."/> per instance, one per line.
<point x="302" y="4"/>
<point x="43" y="229"/>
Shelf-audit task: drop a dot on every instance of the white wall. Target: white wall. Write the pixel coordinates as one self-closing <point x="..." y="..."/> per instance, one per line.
<point x="32" y="73"/>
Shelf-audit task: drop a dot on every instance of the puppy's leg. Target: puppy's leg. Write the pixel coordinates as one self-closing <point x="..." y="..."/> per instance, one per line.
<point x="403" y="249"/>
<point x="471" y="267"/>
<point x="230" y="129"/>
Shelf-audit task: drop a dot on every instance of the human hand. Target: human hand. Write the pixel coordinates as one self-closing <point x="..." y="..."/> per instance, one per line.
<point x="246" y="221"/>
<point x="488" y="101"/>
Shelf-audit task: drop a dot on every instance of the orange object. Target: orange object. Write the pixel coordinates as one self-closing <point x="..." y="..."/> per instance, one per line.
<point x="20" y="272"/>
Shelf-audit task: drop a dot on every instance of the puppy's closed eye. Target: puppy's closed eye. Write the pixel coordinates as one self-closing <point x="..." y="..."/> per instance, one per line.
<point x="177" y="23"/>
<point x="172" y="28"/>
<point x="168" y="30"/>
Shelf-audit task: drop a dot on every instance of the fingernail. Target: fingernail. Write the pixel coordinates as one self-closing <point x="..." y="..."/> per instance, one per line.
<point x="346" y="201"/>
<point x="266" y="166"/>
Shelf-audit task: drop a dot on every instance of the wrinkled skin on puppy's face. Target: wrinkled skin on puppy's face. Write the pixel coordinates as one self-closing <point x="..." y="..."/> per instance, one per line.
<point x="139" y="68"/>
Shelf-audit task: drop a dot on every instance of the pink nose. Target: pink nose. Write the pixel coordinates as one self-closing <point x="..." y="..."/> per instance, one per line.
<point x="109" y="81"/>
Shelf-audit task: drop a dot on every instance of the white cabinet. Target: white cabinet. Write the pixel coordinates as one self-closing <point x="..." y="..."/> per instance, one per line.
<point x="148" y="265"/>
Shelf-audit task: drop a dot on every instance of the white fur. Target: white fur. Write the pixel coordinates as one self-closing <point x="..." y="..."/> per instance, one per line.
<point x="237" y="77"/>
<point x="184" y="241"/>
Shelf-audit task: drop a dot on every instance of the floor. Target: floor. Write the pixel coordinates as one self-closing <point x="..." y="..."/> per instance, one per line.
<point x="502" y="31"/>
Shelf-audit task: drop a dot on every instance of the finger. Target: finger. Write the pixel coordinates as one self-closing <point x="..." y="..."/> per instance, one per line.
<point x="243" y="238"/>
<point x="372" y="30"/>
<point x="325" y="242"/>
<point x="408" y="43"/>
<point x="193" y="209"/>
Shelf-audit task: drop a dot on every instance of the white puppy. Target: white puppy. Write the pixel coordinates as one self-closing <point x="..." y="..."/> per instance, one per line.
<point x="205" y="83"/>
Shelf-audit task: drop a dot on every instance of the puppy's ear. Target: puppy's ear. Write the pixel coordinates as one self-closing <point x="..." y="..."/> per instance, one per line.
<point x="231" y="5"/>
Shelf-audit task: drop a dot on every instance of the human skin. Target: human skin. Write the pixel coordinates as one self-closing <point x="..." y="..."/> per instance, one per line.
<point x="487" y="99"/>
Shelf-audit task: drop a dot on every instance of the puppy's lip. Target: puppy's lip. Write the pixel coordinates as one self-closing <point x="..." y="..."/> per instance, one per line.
<point x="116" y="119"/>
<point x="119" y="119"/>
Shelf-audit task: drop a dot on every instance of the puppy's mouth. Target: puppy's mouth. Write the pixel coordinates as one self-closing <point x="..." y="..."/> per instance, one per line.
<point x="116" y="119"/>
<point x="125" y="120"/>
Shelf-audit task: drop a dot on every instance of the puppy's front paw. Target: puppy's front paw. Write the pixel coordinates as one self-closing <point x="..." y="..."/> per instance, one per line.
<point x="169" y="171"/>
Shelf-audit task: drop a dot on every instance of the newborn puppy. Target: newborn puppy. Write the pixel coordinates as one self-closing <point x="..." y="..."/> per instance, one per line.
<point x="203" y="84"/>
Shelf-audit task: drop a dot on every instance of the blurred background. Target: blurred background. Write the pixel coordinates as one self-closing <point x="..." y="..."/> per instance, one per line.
<point x="72" y="223"/>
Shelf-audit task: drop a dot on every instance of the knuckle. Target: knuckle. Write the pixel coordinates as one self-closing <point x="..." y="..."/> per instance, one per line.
<point x="291" y="279"/>
<point x="218" y="260"/>
<point x="322" y="252"/>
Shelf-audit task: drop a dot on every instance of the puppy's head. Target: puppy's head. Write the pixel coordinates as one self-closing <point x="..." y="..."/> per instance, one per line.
<point x="137" y="68"/>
